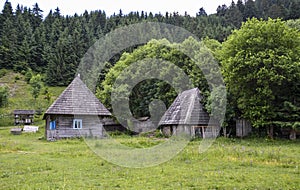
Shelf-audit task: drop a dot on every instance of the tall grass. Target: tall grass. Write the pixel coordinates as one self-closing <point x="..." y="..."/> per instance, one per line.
<point x="29" y="163"/>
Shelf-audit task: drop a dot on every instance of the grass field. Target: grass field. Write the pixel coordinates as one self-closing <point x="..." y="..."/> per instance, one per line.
<point x="29" y="163"/>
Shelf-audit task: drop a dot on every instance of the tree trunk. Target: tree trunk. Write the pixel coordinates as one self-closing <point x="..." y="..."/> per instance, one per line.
<point x="225" y="132"/>
<point x="271" y="131"/>
<point x="293" y="134"/>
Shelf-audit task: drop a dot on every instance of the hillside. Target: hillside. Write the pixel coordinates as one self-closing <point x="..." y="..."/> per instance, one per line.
<point x="20" y="98"/>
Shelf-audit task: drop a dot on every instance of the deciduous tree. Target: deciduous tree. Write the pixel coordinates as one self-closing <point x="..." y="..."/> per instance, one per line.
<point x="261" y="65"/>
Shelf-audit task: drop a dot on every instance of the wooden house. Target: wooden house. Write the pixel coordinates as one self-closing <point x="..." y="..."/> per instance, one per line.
<point x="76" y="112"/>
<point x="24" y="117"/>
<point x="186" y="115"/>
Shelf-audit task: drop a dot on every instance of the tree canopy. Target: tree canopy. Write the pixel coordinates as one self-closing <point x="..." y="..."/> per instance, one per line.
<point x="261" y="65"/>
<point x="160" y="52"/>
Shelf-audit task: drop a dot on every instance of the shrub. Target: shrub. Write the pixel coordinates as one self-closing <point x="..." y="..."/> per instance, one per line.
<point x="4" y="93"/>
<point x="17" y="77"/>
<point x="28" y="75"/>
<point x="3" y="72"/>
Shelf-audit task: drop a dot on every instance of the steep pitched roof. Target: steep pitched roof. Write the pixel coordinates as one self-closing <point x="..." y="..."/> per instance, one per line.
<point x="186" y="109"/>
<point x="77" y="99"/>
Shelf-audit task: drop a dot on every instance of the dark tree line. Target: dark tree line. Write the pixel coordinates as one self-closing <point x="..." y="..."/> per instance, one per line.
<point x="53" y="44"/>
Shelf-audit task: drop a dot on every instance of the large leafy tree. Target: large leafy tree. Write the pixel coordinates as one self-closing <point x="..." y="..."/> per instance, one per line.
<point x="148" y="90"/>
<point x="261" y="65"/>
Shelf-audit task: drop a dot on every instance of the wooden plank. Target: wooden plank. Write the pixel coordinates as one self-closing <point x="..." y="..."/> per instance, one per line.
<point x="30" y="129"/>
<point x="16" y="131"/>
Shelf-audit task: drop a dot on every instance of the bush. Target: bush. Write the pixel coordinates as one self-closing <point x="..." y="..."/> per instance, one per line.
<point x="3" y="72"/>
<point x="4" y="93"/>
<point x="17" y="77"/>
<point x="28" y="76"/>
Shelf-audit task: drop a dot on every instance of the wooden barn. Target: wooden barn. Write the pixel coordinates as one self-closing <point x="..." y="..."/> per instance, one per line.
<point x="186" y="115"/>
<point x="24" y="117"/>
<point x="76" y="112"/>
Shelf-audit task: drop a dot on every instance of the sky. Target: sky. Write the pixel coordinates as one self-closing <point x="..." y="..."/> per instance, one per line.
<point x="70" y="7"/>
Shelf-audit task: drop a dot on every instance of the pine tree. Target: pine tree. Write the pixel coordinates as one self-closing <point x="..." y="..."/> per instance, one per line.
<point x="221" y="10"/>
<point x="37" y="16"/>
<point x="9" y="44"/>
<point x="277" y="11"/>
<point x="240" y="5"/>
<point x="250" y="10"/>
<point x="234" y="16"/>
<point x="201" y="12"/>
<point x="294" y="8"/>
<point x="37" y="49"/>
<point x="7" y="13"/>
<point x="24" y="33"/>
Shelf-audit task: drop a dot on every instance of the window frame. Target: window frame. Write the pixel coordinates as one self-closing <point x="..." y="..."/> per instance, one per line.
<point x="52" y="125"/>
<point x="79" y="122"/>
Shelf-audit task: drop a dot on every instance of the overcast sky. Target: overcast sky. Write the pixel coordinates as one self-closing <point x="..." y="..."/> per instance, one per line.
<point x="70" y="7"/>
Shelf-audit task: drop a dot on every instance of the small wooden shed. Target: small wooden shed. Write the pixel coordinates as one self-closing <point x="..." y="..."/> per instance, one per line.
<point x="243" y="128"/>
<point x="76" y="112"/>
<point x="142" y="124"/>
<point x="186" y="114"/>
<point x="24" y="117"/>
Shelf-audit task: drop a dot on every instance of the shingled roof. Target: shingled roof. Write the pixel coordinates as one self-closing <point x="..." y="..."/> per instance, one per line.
<point x="186" y="109"/>
<point x="77" y="99"/>
<point x="24" y="112"/>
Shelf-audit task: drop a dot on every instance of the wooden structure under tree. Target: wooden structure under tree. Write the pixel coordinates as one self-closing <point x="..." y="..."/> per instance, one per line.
<point x="76" y="112"/>
<point x="243" y="128"/>
<point x="24" y="117"/>
<point x="187" y="115"/>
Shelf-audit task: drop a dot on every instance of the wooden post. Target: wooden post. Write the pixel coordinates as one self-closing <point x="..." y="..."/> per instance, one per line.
<point x="271" y="131"/>
<point x="293" y="134"/>
<point x="47" y="120"/>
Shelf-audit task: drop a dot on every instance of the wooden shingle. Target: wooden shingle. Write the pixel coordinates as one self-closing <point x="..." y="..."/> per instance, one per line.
<point x="186" y="110"/>
<point x="77" y="99"/>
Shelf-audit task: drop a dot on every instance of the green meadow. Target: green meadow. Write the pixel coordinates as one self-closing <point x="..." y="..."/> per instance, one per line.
<point x="28" y="161"/>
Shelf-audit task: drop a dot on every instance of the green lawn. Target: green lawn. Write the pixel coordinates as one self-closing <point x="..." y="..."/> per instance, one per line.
<point x="29" y="163"/>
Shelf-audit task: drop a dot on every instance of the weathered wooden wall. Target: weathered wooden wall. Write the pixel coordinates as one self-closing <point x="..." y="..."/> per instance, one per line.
<point x="243" y="128"/>
<point x="205" y="131"/>
<point x="92" y="126"/>
<point x="142" y="126"/>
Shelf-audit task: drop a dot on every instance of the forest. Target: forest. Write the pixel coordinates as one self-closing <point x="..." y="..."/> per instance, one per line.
<point x="256" y="44"/>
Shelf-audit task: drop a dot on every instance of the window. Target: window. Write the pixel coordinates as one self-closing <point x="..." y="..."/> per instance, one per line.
<point x="77" y="124"/>
<point x="52" y="125"/>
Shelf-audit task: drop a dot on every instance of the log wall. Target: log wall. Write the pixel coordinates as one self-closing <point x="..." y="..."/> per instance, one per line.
<point x="92" y="126"/>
